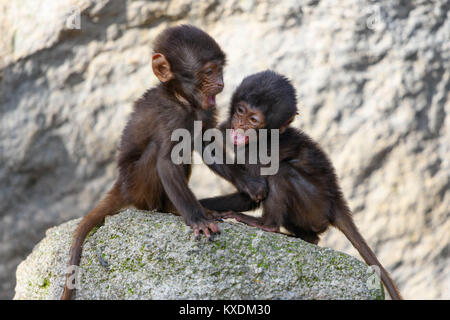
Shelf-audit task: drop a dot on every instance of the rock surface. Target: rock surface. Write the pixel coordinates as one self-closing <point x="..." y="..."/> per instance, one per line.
<point x="372" y="77"/>
<point x="149" y="255"/>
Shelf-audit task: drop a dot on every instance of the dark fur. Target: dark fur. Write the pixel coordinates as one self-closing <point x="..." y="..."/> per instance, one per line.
<point x="304" y="196"/>
<point x="187" y="48"/>
<point x="270" y="92"/>
<point x="148" y="179"/>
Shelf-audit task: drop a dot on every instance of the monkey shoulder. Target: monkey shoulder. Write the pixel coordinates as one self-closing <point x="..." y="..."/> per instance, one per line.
<point x="158" y="101"/>
<point x="160" y="112"/>
<point x="150" y="123"/>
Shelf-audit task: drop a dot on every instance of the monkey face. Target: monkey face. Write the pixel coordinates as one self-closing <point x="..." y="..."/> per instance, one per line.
<point x="210" y="83"/>
<point x="245" y="117"/>
<point x="270" y="93"/>
<point x="189" y="62"/>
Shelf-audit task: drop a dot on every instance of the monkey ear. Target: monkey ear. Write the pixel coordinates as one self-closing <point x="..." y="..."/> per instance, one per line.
<point x="287" y="123"/>
<point x="161" y="67"/>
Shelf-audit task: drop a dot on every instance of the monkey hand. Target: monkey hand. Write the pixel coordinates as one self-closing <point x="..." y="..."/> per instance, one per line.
<point x="256" y="188"/>
<point x="207" y="226"/>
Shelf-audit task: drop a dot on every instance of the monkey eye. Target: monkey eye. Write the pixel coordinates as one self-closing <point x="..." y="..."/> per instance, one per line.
<point x="254" y="120"/>
<point x="209" y="71"/>
<point x="240" y="109"/>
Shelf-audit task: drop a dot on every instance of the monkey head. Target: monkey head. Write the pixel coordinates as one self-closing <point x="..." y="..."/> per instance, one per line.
<point x="190" y="64"/>
<point x="265" y="100"/>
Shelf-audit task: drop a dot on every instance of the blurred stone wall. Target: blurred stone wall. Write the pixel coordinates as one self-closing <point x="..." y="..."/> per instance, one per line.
<point x="372" y="77"/>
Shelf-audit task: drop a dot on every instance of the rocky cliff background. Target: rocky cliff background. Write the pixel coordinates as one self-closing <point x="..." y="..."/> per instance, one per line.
<point x="373" y="78"/>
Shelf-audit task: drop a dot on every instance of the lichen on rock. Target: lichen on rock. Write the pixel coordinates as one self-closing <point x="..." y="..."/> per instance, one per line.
<point x="151" y="255"/>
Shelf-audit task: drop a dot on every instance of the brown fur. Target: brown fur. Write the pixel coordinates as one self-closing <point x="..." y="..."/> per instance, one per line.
<point x="304" y="195"/>
<point x="148" y="179"/>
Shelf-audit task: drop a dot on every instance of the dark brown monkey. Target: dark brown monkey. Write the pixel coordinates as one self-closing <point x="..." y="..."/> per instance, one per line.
<point x="304" y="195"/>
<point x="189" y="64"/>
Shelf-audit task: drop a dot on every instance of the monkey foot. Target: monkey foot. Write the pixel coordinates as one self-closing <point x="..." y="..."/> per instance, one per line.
<point x="248" y="220"/>
<point x="219" y="216"/>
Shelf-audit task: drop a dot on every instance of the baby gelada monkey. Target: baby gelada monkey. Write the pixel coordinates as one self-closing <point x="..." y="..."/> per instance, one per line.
<point x="189" y="65"/>
<point x="304" y="195"/>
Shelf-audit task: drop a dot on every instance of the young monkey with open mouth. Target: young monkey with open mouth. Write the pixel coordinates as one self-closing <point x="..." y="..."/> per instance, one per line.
<point x="304" y="195"/>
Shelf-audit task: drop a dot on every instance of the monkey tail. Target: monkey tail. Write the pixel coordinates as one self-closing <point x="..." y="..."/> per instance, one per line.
<point x="344" y="223"/>
<point x="110" y="205"/>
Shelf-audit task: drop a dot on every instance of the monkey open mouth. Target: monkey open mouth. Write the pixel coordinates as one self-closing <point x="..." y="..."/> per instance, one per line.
<point x="210" y="101"/>
<point x="238" y="138"/>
